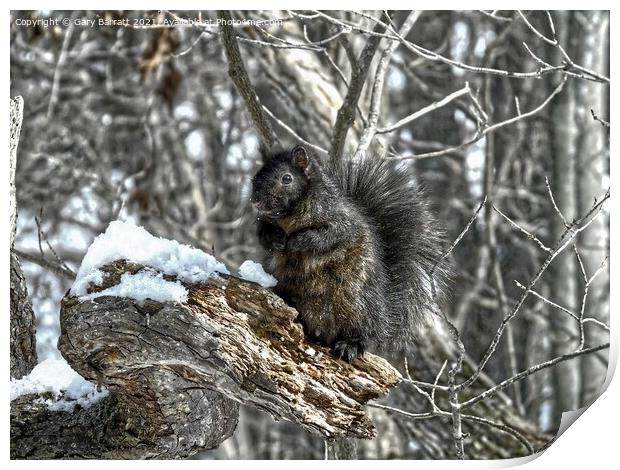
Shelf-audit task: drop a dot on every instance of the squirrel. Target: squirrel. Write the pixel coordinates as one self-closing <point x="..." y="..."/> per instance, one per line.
<point x="352" y="244"/>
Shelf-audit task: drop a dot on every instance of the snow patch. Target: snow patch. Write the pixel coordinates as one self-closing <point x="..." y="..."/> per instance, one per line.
<point x="146" y="284"/>
<point x="254" y="272"/>
<point x="56" y="376"/>
<point x="95" y="276"/>
<point x="125" y="240"/>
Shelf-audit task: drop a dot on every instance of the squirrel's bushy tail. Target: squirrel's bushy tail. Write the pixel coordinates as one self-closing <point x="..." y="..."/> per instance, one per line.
<point x="413" y="242"/>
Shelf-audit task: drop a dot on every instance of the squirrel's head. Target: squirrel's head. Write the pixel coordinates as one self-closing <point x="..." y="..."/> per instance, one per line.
<point x="281" y="182"/>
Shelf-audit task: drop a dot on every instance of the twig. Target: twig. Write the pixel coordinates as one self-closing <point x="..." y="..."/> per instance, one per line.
<point x="496" y="17"/>
<point x="434" y="56"/>
<point x="57" y="72"/>
<point x="555" y="206"/>
<point x="582" y="334"/>
<point x="562" y="308"/>
<point x="41" y="235"/>
<point x="460" y="237"/>
<point x="44" y="263"/>
<point x="567" y="237"/>
<point x="530" y="371"/>
<point x="454" y="333"/>
<point x="425" y="110"/>
<point x="420" y="416"/>
<point x="443" y="366"/>
<point x="502" y="427"/>
<point x="409" y="415"/>
<point x="480" y="133"/>
<point x="521" y="229"/>
<point x="596" y="118"/>
<point x="288" y="129"/>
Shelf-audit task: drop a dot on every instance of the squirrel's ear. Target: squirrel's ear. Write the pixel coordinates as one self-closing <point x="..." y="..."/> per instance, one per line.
<point x="301" y="159"/>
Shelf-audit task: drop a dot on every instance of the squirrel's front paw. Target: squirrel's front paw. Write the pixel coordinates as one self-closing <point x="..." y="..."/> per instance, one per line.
<point x="349" y="350"/>
<point x="272" y="238"/>
<point x="278" y="245"/>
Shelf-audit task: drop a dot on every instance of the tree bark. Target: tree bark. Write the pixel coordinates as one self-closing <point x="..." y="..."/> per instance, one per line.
<point x="174" y="423"/>
<point x="23" y="342"/>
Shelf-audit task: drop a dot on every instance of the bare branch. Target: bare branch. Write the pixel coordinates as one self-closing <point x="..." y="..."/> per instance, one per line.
<point x="59" y="65"/>
<point x="377" y="88"/>
<point x="567" y="237"/>
<point x="346" y="113"/>
<point x="45" y="263"/>
<point x="521" y="229"/>
<point x="292" y="132"/>
<point x="239" y="76"/>
<point x="425" y="110"/>
<point x="480" y="133"/>
<point x="596" y="118"/>
<point x="434" y="56"/>
<point x="530" y="371"/>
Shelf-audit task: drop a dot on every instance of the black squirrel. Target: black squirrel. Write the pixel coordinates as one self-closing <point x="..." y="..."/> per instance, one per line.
<point x="352" y="245"/>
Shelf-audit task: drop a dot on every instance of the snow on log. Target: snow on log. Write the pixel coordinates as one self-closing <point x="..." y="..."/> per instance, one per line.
<point x="206" y="330"/>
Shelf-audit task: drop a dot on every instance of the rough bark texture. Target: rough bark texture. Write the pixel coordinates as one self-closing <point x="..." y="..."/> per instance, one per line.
<point x="17" y="111"/>
<point x="125" y="425"/>
<point x="23" y="341"/>
<point x="23" y="345"/>
<point x="166" y="364"/>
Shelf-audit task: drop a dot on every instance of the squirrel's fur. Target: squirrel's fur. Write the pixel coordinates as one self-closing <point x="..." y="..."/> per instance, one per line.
<point x="352" y="244"/>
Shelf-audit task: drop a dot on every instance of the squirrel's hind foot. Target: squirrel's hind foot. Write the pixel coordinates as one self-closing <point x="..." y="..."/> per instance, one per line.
<point x="349" y="349"/>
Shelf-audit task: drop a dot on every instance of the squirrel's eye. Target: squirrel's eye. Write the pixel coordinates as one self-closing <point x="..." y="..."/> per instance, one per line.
<point x="287" y="179"/>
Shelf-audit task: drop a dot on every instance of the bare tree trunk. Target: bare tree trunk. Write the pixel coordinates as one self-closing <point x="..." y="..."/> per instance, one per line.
<point x="23" y="342"/>
<point x="564" y="284"/>
<point x="593" y="50"/>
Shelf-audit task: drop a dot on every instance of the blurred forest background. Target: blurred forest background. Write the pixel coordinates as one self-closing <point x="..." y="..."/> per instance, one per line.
<point x="503" y="109"/>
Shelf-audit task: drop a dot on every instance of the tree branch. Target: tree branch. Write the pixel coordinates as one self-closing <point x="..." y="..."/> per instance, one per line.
<point x="134" y="423"/>
<point x="377" y="88"/>
<point x="239" y="76"/>
<point x="346" y="113"/>
<point x="231" y="337"/>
